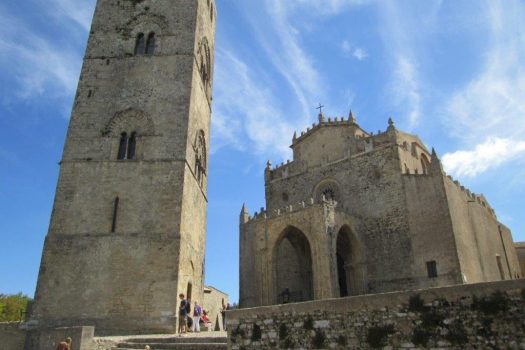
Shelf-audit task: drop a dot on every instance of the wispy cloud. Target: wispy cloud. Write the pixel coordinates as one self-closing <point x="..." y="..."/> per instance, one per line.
<point x="36" y="64"/>
<point x="405" y="85"/>
<point x="329" y="7"/>
<point x="490" y="154"/>
<point x="80" y="12"/>
<point x="493" y="103"/>
<point x="355" y="52"/>
<point x="293" y="62"/>
<point x="245" y="112"/>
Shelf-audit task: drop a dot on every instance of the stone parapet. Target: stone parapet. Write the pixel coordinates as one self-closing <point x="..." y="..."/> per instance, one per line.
<point x="475" y="315"/>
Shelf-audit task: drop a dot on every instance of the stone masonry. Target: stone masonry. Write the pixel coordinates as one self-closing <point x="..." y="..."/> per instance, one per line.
<point x="357" y="213"/>
<point x="127" y="231"/>
<point x="472" y="316"/>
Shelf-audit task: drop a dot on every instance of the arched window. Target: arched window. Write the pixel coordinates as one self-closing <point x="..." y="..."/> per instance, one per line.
<point x="204" y="61"/>
<point x="200" y="156"/>
<point x="132" y="143"/>
<point x="425" y="164"/>
<point x="327" y="189"/>
<point x="139" y="44"/>
<point x="127" y="146"/>
<point x="122" y="146"/>
<point x="150" y="45"/>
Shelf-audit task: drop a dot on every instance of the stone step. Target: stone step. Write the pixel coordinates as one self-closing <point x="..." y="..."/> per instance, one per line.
<point x="178" y="340"/>
<point x="191" y="342"/>
<point x="168" y="346"/>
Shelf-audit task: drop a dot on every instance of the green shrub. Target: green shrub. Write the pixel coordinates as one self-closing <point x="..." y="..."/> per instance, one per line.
<point x="341" y="340"/>
<point x="318" y="340"/>
<point x="283" y="331"/>
<point x="416" y="304"/>
<point x="421" y="336"/>
<point x="496" y="303"/>
<point x="377" y="336"/>
<point x="256" y="333"/>
<point x="13" y="308"/>
<point x="432" y="319"/>
<point x="457" y="334"/>
<point x="308" y="323"/>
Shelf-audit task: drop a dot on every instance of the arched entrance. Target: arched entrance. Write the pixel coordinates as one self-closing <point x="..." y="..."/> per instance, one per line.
<point x="292" y="268"/>
<point x="350" y="264"/>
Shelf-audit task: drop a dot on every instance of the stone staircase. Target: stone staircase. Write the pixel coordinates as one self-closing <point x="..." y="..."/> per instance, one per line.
<point x="187" y="342"/>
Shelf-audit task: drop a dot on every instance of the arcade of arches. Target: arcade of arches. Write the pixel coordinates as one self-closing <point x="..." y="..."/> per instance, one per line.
<point x="292" y="268"/>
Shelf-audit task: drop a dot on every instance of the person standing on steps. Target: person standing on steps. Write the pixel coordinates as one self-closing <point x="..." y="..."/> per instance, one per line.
<point x="65" y="345"/>
<point x="183" y="314"/>
<point x="197" y="313"/>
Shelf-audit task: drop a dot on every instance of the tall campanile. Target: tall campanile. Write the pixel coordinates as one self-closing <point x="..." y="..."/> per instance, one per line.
<point x="127" y="231"/>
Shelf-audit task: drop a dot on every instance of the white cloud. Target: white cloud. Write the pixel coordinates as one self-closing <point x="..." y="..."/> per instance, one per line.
<point x="405" y="90"/>
<point x="360" y="54"/>
<point x="356" y="52"/>
<point x="493" y="102"/>
<point x="490" y="154"/>
<point x="80" y="12"/>
<point x="37" y="65"/>
<point x="398" y="30"/>
<point x="329" y="7"/>
<point x="245" y="112"/>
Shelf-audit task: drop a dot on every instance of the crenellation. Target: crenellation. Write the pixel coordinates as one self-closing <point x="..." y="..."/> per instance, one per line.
<point x="291" y="208"/>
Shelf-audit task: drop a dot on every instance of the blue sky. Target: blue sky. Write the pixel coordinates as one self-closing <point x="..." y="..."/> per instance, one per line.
<point x="452" y="72"/>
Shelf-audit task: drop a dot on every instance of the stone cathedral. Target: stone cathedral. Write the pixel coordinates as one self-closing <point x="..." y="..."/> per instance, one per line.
<point x="357" y="213"/>
<point x="127" y="231"/>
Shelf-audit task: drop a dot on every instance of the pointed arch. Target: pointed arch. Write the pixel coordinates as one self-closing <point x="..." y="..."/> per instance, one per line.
<point x="349" y="258"/>
<point x="292" y="267"/>
<point x="425" y="164"/>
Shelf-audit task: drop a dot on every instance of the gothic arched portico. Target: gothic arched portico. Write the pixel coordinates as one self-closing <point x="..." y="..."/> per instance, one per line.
<point x="350" y="263"/>
<point x="292" y="267"/>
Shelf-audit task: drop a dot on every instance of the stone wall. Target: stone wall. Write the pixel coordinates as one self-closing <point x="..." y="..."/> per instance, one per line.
<point x="212" y="303"/>
<point x="475" y="316"/>
<point x="48" y="338"/>
<point x="12" y="337"/>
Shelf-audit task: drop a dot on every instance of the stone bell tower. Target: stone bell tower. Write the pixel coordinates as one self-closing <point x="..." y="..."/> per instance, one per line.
<point x="127" y="231"/>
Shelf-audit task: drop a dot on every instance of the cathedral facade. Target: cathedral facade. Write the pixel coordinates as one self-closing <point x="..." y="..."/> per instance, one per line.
<point x="357" y="213"/>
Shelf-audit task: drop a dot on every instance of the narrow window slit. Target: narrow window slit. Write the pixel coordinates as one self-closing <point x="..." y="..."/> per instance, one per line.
<point x="122" y="146"/>
<point x="150" y="45"/>
<point x="139" y="44"/>
<point x="132" y="143"/>
<point x="115" y="212"/>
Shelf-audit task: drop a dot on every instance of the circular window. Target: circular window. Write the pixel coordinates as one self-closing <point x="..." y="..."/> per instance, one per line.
<point x="329" y="190"/>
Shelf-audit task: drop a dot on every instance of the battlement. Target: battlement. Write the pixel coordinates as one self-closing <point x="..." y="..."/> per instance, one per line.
<point x="337" y="121"/>
<point x="263" y="214"/>
<point x="473" y="197"/>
